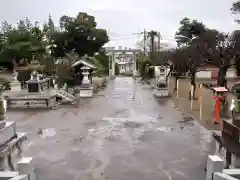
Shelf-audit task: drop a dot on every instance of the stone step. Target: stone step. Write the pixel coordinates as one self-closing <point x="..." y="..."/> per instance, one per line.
<point x="65" y="95"/>
<point x="6" y="175"/>
<point x="222" y="176"/>
<point x="21" y="177"/>
<point x="232" y="172"/>
<point x="20" y="138"/>
<point x="8" y="132"/>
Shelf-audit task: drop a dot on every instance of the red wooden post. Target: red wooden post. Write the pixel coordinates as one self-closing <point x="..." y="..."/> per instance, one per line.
<point x="217" y="108"/>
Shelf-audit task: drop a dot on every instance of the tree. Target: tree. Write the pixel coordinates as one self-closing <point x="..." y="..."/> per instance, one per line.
<point x="189" y="37"/>
<point x="180" y="65"/>
<point x="152" y="34"/>
<point x="188" y="31"/>
<point x="79" y="34"/>
<point x="236" y="9"/>
<point x="23" y="42"/>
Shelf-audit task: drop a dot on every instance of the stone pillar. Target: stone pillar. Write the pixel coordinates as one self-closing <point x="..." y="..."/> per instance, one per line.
<point x="134" y="66"/>
<point x="214" y="164"/>
<point x="235" y="160"/>
<point x="113" y="65"/>
<point x="3" y="106"/>
<point x="109" y="65"/>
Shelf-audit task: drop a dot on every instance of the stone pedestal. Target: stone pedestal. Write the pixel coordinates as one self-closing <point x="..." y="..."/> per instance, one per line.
<point x="38" y="86"/>
<point x="26" y="166"/>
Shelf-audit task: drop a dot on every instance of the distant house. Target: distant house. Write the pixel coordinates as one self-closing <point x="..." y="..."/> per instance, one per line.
<point x="210" y="71"/>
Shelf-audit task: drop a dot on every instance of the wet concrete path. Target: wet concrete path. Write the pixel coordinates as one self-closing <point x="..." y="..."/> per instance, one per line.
<point x="123" y="133"/>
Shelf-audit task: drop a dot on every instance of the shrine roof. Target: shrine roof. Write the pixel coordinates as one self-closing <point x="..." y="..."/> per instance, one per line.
<point x="236" y="85"/>
<point x="220" y="89"/>
<point x="85" y="63"/>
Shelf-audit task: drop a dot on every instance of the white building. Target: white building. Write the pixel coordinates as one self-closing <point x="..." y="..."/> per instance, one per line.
<point x="125" y="63"/>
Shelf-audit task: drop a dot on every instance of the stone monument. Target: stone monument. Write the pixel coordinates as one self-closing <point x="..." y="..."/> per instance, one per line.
<point x="15" y="84"/>
<point x="86" y="88"/>
<point x="37" y="84"/>
<point x="10" y="141"/>
<point x="162" y="81"/>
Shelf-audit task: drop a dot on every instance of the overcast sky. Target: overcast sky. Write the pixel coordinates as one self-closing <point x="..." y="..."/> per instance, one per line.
<point x="122" y="18"/>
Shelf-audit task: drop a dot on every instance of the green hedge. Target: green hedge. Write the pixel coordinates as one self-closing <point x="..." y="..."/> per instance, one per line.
<point x="5" y="83"/>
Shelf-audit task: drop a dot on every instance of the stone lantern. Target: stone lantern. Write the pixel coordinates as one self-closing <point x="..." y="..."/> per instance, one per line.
<point x="86" y="89"/>
<point x="3" y="104"/>
<point x="86" y="80"/>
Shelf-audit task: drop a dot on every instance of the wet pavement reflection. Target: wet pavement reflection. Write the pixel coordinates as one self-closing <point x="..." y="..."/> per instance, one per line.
<point x="123" y="133"/>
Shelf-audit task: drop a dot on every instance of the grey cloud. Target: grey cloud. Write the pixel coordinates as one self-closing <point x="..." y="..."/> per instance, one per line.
<point x="162" y="15"/>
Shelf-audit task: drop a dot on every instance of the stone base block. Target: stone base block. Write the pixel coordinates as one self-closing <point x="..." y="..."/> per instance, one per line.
<point x="161" y="92"/>
<point x="26" y="166"/>
<point x="2" y="124"/>
<point x="86" y="92"/>
<point x="6" y="175"/>
<point x="14" y="147"/>
<point x="235" y="159"/>
<point x="112" y="77"/>
<point x="15" y="86"/>
<point x="21" y="177"/>
<point x="214" y="164"/>
<point x="8" y="132"/>
<point x="232" y="172"/>
<point x="221" y="176"/>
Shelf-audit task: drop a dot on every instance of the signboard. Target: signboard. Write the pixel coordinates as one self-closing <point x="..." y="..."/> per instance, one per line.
<point x="123" y="59"/>
<point x="230" y="131"/>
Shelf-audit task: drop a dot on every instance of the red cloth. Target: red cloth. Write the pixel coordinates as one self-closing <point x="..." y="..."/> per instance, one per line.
<point x="218" y="107"/>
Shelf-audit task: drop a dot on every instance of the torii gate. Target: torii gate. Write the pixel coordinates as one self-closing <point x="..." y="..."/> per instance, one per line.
<point x="112" y="55"/>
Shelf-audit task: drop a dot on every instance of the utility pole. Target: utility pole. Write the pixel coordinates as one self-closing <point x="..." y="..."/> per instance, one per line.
<point x="159" y="39"/>
<point x="144" y="41"/>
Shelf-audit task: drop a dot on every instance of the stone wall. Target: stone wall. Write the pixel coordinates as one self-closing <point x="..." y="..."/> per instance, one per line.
<point x="98" y="82"/>
<point x="209" y="74"/>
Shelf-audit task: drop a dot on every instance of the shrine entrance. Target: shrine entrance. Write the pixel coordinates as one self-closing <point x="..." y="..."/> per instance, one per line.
<point x="125" y="58"/>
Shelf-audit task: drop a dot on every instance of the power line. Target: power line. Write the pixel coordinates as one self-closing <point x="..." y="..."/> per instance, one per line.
<point x="123" y="38"/>
<point x="124" y="34"/>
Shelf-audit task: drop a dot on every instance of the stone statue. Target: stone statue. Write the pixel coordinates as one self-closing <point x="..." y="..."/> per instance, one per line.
<point x="14" y="76"/>
<point x="34" y="75"/>
<point x="3" y="104"/>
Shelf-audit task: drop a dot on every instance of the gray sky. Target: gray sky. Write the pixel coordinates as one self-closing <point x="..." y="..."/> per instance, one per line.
<point x="124" y="17"/>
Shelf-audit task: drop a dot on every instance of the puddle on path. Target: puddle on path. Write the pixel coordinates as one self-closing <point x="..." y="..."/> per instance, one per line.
<point x="44" y="133"/>
<point x="130" y="124"/>
<point x="165" y="129"/>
